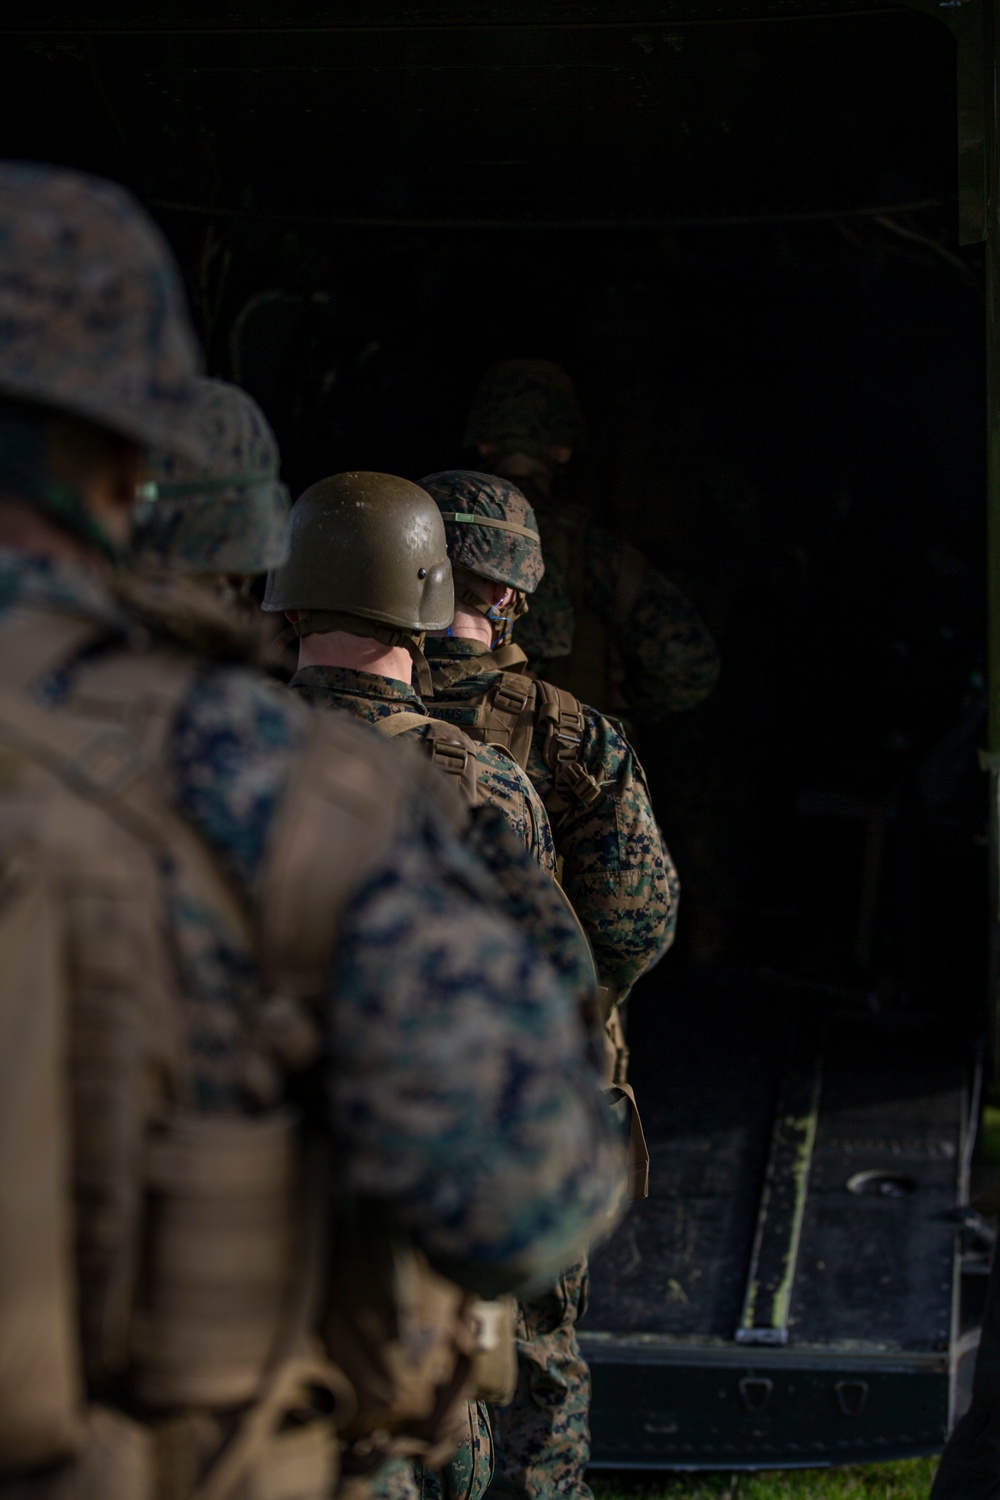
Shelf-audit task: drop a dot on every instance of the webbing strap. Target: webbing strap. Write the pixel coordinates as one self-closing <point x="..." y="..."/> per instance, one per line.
<point x="400" y="723"/>
<point x="561" y="717"/>
<point x="445" y="747"/>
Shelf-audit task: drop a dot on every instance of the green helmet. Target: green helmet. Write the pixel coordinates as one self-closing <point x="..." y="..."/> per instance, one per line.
<point x="228" y="514"/>
<point x="490" y="527"/>
<point x="366" y="550"/>
<point x="525" y="406"/>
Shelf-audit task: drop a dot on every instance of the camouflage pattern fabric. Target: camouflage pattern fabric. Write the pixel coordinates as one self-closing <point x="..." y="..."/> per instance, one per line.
<point x="228" y="514"/>
<point x="510" y="834"/>
<point x="497" y="1165"/>
<point x="542" y="1438"/>
<point x="92" y="308"/>
<point x="663" y="658"/>
<point x="616" y="870"/>
<point x="525" y="406"/>
<point x="369" y="698"/>
<point x="466" y="1475"/>
<point x="489" y="551"/>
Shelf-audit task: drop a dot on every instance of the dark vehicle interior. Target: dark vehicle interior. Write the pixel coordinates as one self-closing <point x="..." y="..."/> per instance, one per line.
<point x="740" y="228"/>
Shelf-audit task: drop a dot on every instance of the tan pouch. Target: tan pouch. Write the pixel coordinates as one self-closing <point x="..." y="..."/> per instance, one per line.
<point x="40" y="1397"/>
<point x="402" y="1336"/>
<point x="494" y="1365"/>
<point x="115" y="1462"/>
<point x="221" y="1212"/>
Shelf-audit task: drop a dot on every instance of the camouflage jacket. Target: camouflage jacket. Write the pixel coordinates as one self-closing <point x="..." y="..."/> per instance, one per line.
<point x="498" y="1163"/>
<point x="616" y="869"/>
<point x="660" y="657"/>
<point x="501" y="780"/>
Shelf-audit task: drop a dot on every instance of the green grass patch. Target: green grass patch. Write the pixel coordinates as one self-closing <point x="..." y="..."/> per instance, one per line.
<point x="903" y="1481"/>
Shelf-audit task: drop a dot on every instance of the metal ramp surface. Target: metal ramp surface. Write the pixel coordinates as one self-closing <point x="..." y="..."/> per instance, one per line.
<point x="789" y="1293"/>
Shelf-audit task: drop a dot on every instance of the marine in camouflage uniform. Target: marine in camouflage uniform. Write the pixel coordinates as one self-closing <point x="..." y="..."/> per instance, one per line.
<point x="368" y="554"/>
<point x="493" y="1182"/>
<point x="619" y="877"/>
<point x="604" y="623"/>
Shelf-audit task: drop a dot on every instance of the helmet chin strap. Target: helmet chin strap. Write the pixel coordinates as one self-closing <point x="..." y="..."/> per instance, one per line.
<point x="502" y="622"/>
<point x="323" y="621"/>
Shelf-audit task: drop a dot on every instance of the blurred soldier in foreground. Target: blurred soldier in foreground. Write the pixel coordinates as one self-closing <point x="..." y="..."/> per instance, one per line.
<point x="614" y="869"/>
<point x="604" y="624"/>
<point x="210" y="894"/>
<point x="367" y="576"/>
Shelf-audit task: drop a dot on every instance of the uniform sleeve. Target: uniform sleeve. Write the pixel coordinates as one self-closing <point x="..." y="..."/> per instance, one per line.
<point x="616" y="869"/>
<point x="504" y="785"/>
<point x="459" y="1083"/>
<point x="668" y="657"/>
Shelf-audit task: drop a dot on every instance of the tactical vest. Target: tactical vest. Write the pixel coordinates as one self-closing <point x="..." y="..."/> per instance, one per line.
<point x="509" y="713"/>
<point x="450" y="751"/>
<point x="164" y="1272"/>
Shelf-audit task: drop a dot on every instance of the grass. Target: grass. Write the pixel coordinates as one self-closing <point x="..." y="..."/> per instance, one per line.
<point x="903" y="1481"/>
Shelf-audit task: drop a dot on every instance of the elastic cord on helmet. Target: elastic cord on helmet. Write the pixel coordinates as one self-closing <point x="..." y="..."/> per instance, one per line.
<point x="466" y="518"/>
<point x="179" y="489"/>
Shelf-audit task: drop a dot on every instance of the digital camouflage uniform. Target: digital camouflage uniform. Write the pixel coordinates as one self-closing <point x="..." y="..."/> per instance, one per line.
<point x="599" y="598"/>
<point x="496" y="1163"/>
<point x="622" y="883"/>
<point x="370" y="698"/>
<point x="227" y="514"/>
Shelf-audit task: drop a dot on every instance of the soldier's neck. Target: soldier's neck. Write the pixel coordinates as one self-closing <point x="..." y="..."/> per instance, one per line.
<point x="469" y="625"/>
<point x="338" y="648"/>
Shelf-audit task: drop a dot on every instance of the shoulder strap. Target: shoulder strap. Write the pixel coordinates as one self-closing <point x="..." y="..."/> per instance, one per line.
<point x="561" y="719"/>
<point x="400" y="723"/>
<point x="445" y="747"/>
<point x="508" y="658"/>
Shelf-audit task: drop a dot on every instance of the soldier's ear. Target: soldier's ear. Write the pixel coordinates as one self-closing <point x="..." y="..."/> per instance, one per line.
<point x="486" y="450"/>
<point x="292" y="615"/>
<point x="560" y="454"/>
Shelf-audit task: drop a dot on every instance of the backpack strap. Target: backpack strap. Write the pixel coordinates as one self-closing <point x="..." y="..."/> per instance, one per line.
<point x="448" y="748"/>
<point x="509" y="658"/>
<point x="561" y="719"/>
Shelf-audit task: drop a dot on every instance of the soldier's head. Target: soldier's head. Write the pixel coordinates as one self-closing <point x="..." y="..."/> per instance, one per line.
<point x="525" y="409"/>
<point x="98" y="360"/>
<point x="367" y="559"/>
<point x="494" y="547"/>
<point x="224" y="519"/>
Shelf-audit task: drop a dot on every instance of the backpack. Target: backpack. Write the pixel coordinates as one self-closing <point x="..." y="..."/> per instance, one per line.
<point x="152" y="1257"/>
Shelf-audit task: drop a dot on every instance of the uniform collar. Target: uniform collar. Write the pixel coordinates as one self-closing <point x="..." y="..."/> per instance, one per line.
<point x="363" y="694"/>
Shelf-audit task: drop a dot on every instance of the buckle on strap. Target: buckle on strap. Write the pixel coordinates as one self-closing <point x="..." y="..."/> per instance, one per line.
<point x="511" y="697"/>
<point x="572" y="778"/>
<point x="106" y="764"/>
<point x="449" y="755"/>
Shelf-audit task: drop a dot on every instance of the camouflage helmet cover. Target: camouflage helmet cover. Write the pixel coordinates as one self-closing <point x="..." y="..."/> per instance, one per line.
<point x="92" y="314"/>
<point x="368" y="545"/>
<point x="525" y="406"/>
<point x="490" y="527"/>
<point x="228" y="514"/>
